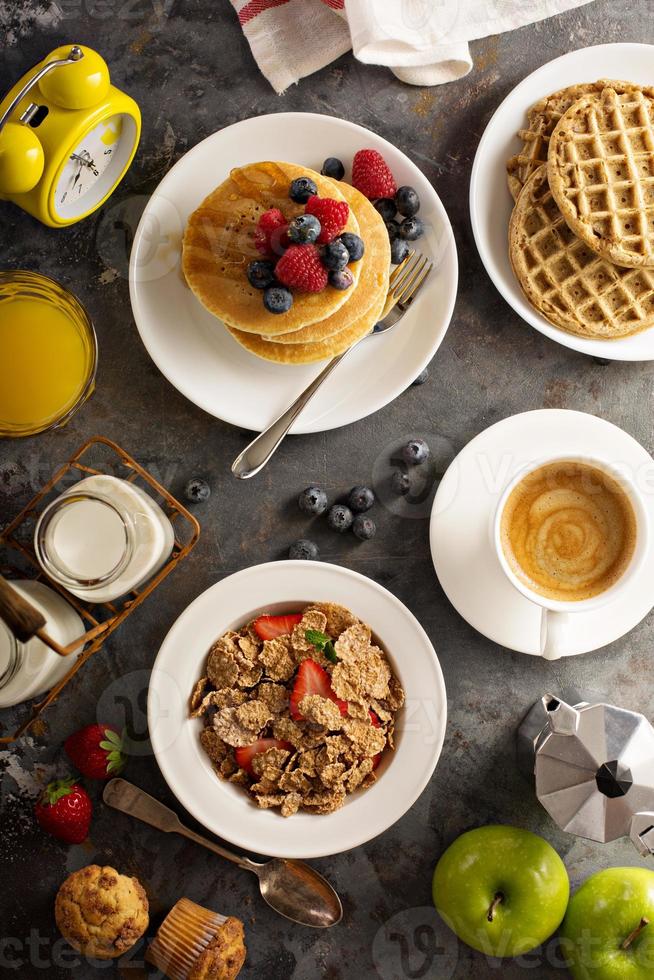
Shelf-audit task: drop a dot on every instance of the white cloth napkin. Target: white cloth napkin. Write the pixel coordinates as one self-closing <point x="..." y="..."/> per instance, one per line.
<point x="424" y="42"/>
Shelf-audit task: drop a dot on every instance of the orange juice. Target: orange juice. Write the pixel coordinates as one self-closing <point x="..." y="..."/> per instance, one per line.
<point x="47" y="354"/>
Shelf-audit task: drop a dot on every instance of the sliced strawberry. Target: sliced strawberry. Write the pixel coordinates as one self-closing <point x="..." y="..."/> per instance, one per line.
<point x="311" y="678"/>
<point x="270" y="627"/>
<point x="246" y="753"/>
<point x="376" y="759"/>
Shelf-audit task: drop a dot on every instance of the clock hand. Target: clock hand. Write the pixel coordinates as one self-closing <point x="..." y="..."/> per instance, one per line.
<point x="86" y="161"/>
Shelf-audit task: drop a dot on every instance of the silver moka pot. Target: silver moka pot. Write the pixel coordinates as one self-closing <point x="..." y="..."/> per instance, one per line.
<point x="594" y="769"/>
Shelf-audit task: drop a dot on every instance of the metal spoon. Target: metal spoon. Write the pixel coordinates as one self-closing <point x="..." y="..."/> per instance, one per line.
<point x="290" y="887"/>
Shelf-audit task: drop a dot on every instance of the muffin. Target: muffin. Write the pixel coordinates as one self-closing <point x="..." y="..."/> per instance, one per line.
<point x="194" y="943"/>
<point x="100" y="912"/>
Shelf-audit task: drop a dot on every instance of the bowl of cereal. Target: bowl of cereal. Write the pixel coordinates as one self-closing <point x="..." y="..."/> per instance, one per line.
<point x="297" y="709"/>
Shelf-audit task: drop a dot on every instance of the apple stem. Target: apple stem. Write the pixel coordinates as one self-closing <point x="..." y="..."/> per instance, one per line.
<point x="636" y="933"/>
<point x="499" y="898"/>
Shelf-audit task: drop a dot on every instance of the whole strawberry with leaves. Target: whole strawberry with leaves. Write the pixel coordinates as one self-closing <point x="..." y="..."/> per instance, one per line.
<point x="97" y="751"/>
<point x="64" y="810"/>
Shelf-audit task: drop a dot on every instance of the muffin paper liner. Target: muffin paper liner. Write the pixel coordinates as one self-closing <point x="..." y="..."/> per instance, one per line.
<point x="182" y="937"/>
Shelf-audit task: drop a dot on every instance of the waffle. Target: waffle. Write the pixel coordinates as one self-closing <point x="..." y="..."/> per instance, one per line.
<point x="542" y="119"/>
<point x="566" y="281"/>
<point x="601" y="173"/>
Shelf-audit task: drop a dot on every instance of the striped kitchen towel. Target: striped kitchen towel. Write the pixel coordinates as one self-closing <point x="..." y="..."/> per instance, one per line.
<point x="424" y="42"/>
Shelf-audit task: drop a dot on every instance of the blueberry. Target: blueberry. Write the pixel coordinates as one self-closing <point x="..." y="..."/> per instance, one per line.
<point x="313" y="500"/>
<point x="277" y="299"/>
<point x="399" y="250"/>
<point x="422" y="377"/>
<point x="393" y="229"/>
<point x="411" y="228"/>
<point x="261" y="274"/>
<point x="360" y="499"/>
<point x="333" y="167"/>
<point x="364" y="527"/>
<point x="400" y="483"/>
<point x="386" y="207"/>
<point x="197" y="491"/>
<point x="342" y="279"/>
<point x="340" y="518"/>
<point x="305" y="549"/>
<point x="416" y="451"/>
<point x="353" y="244"/>
<point x="335" y="256"/>
<point x="304" y="229"/>
<point x="301" y="190"/>
<point x="407" y="201"/>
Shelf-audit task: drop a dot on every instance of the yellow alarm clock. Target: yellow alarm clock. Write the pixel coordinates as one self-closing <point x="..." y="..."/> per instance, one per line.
<point x="67" y="137"/>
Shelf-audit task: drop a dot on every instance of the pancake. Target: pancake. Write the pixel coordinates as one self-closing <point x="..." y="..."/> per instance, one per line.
<point x="353" y="321"/>
<point x="375" y="266"/>
<point x="218" y="245"/>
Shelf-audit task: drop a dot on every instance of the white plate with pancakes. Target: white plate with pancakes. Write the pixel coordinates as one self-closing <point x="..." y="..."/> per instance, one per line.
<point x="462" y="520"/>
<point x="491" y="203"/>
<point x="193" y="349"/>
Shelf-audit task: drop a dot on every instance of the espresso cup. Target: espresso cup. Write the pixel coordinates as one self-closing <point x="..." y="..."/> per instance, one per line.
<point x="556" y="617"/>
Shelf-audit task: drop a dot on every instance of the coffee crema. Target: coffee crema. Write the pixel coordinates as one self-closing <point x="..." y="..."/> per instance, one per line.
<point x="568" y="531"/>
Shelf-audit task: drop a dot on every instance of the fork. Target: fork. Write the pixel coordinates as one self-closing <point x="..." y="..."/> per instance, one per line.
<point x="404" y="284"/>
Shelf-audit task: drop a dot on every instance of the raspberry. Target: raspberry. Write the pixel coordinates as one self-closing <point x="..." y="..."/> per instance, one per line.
<point x="331" y="214"/>
<point x="270" y="233"/>
<point x="300" y="268"/>
<point x="371" y="175"/>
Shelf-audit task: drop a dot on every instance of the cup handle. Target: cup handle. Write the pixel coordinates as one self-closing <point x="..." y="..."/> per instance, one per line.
<point x="554" y="634"/>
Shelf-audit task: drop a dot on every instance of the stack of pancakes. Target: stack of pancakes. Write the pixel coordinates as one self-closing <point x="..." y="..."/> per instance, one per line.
<point x="219" y="245"/>
<point x="581" y="236"/>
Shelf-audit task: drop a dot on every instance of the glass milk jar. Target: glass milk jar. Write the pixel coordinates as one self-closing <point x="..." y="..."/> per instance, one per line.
<point x="32" y="668"/>
<point x="103" y="538"/>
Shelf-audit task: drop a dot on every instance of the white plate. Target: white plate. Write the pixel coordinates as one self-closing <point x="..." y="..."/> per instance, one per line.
<point x="462" y="525"/>
<point x="196" y="353"/>
<point x="491" y="203"/>
<point x="227" y="810"/>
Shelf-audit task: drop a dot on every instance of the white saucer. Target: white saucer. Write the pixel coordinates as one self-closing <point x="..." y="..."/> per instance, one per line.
<point x="462" y="519"/>
<point x="193" y="349"/>
<point x="491" y="203"/>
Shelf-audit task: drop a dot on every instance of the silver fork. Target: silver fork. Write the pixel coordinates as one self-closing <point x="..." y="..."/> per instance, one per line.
<point x="404" y="284"/>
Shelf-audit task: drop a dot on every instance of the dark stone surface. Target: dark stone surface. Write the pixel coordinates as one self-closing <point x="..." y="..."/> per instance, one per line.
<point x="191" y="71"/>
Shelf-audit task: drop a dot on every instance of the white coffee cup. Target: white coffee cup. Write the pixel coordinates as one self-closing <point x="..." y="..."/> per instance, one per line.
<point x="555" y="634"/>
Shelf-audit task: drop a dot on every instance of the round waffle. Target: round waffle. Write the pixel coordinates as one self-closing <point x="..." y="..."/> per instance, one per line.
<point x="219" y="243"/>
<point x="571" y="285"/>
<point x="353" y="321"/>
<point x="601" y="173"/>
<point x="542" y="119"/>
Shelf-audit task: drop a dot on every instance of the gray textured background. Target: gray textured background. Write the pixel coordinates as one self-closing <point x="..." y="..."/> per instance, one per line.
<point x="190" y="69"/>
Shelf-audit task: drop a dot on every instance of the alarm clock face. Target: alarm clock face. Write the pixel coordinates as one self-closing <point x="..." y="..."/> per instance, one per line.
<point x="94" y="166"/>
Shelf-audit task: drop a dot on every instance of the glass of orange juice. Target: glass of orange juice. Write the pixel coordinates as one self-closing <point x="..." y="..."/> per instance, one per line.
<point x="48" y="354"/>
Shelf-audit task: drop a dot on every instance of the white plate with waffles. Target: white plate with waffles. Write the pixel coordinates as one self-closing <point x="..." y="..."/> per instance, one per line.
<point x="194" y="350"/>
<point x="491" y="203"/>
<point x="224" y="808"/>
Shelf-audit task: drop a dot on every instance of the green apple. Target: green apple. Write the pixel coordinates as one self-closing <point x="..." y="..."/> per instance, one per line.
<point x="502" y="890"/>
<point x="608" y="930"/>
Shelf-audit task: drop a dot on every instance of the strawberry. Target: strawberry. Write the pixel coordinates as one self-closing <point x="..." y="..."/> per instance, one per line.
<point x="270" y="627"/>
<point x="376" y="759"/>
<point x="371" y="175"/>
<point x="300" y="268"/>
<point x="246" y="753"/>
<point x="97" y="751"/>
<point x="64" y="810"/>
<point x="270" y="236"/>
<point x="331" y="214"/>
<point x="312" y="679"/>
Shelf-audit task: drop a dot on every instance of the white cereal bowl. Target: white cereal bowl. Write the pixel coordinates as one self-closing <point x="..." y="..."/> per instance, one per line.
<point x="226" y="810"/>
